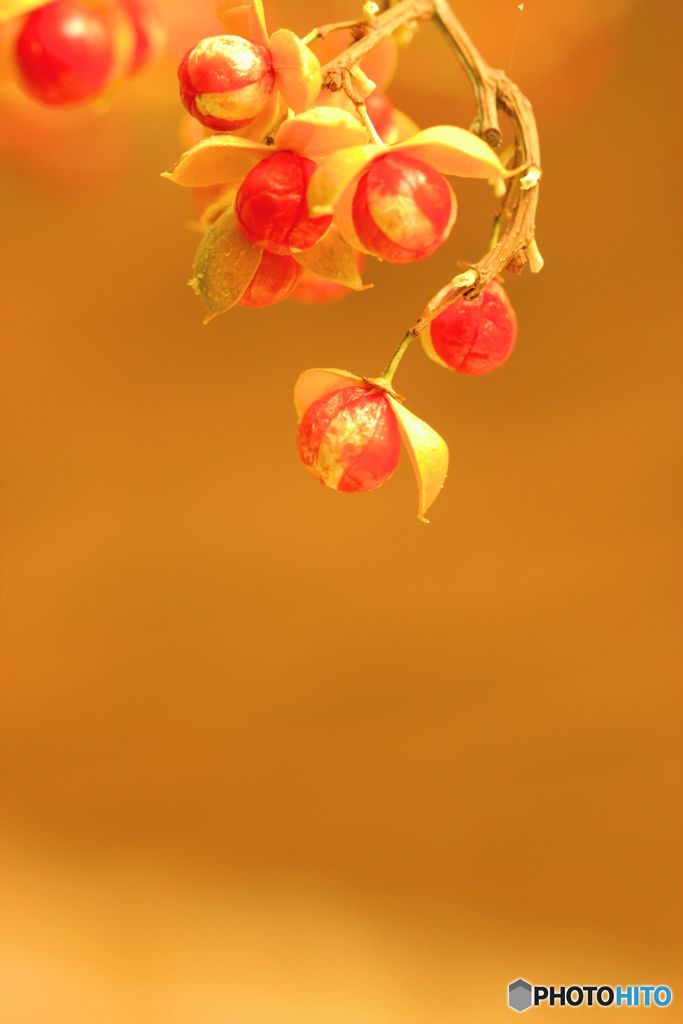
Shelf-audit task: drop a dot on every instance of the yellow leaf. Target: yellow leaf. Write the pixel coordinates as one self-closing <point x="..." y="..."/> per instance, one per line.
<point x="343" y="218"/>
<point x="13" y="8"/>
<point x="224" y="265"/>
<point x="217" y="159"/>
<point x="243" y="18"/>
<point x="452" y="150"/>
<point x="333" y="259"/>
<point x="335" y="173"/>
<point x="313" y="384"/>
<point x="381" y="63"/>
<point x="320" y="131"/>
<point x="428" y="455"/>
<point x="297" y="69"/>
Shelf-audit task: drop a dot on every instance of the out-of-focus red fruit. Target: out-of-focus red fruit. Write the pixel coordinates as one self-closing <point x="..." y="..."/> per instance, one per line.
<point x="273" y="282"/>
<point x="271" y="205"/>
<point x="402" y="209"/>
<point x="225" y="81"/>
<point x="474" y="337"/>
<point x="65" y="53"/>
<point x="349" y="439"/>
<point x="381" y="112"/>
<point x="148" y="32"/>
<point x="314" y="290"/>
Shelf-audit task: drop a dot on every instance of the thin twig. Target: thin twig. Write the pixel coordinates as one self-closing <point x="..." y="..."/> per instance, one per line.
<point x="478" y="72"/>
<point x="385" y="24"/>
<point x="356" y="27"/>
<point x="364" y="116"/>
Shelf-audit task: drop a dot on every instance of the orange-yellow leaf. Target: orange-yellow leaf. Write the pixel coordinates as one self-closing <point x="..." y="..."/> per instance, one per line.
<point x="343" y="218"/>
<point x="333" y="259"/>
<point x="13" y="8"/>
<point x="243" y="18"/>
<point x="224" y="265"/>
<point x="216" y="159"/>
<point x="313" y="384"/>
<point x="382" y="61"/>
<point x="452" y="150"/>
<point x="428" y="455"/>
<point x="335" y="173"/>
<point x="320" y="131"/>
<point x="297" y="69"/>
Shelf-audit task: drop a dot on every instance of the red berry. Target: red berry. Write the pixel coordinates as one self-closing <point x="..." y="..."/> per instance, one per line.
<point x="225" y="81"/>
<point x="478" y="336"/>
<point x="274" y="281"/>
<point x="402" y="209"/>
<point x="148" y="32"/>
<point x="381" y="112"/>
<point x="64" y="53"/>
<point x="271" y="205"/>
<point x="349" y="439"/>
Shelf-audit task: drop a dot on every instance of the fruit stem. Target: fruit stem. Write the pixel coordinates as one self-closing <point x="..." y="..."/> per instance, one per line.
<point x="387" y="374"/>
<point x="364" y="116"/>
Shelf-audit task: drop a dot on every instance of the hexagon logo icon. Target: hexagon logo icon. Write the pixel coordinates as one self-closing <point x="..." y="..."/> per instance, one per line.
<point x="520" y="995"/>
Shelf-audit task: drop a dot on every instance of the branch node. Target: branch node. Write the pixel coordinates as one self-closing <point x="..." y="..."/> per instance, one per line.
<point x="334" y="79"/>
<point x="493" y="136"/>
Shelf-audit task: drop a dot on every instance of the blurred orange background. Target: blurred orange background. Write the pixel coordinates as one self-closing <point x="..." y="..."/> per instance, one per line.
<point x="273" y="754"/>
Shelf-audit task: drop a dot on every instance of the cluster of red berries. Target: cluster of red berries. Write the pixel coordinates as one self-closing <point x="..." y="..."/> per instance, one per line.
<point x="402" y="211"/>
<point x="69" y="53"/>
<point x="392" y="202"/>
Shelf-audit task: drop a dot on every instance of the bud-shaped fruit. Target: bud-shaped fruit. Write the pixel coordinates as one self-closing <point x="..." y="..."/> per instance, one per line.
<point x="273" y="282"/>
<point x="65" y="53"/>
<point x="402" y="209"/>
<point x="271" y="205"/>
<point x="349" y="439"/>
<point x="474" y="336"/>
<point x="225" y="81"/>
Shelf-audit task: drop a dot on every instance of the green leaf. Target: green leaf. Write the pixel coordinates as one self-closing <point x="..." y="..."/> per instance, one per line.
<point x="225" y="263"/>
